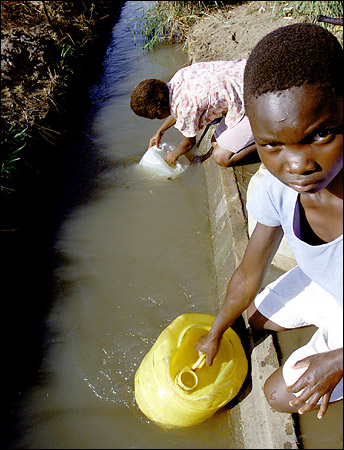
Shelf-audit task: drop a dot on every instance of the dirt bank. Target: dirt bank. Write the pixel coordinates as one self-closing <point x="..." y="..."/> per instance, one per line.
<point x="43" y="46"/>
<point x="46" y="50"/>
<point x="232" y="34"/>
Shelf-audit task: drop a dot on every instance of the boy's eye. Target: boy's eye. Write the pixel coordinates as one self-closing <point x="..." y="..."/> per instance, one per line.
<point x="322" y="135"/>
<point x="270" y="147"/>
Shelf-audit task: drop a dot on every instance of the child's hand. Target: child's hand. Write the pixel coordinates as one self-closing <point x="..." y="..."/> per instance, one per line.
<point x="324" y="371"/>
<point x="208" y="345"/>
<point x="171" y="158"/>
<point x="155" y="139"/>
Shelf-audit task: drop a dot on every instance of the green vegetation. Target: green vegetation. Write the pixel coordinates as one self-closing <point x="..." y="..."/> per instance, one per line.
<point x="12" y="144"/>
<point x="308" y="10"/>
<point x="170" y="20"/>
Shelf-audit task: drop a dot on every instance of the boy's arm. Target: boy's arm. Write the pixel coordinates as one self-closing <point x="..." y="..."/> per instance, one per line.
<point x="243" y="285"/>
<point x="184" y="146"/>
<point x="156" y="138"/>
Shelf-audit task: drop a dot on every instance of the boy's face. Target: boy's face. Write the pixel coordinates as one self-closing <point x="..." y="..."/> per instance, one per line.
<point x="299" y="136"/>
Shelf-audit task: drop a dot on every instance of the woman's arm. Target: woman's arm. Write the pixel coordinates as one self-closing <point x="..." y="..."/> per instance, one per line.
<point x="243" y="285"/>
<point x="156" y="138"/>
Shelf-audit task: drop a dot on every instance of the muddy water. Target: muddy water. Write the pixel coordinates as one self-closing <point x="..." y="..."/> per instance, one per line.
<point x="134" y="257"/>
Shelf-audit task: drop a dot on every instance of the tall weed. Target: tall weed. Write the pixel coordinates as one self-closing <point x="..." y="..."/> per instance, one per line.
<point x="170" y="20"/>
<point x="307" y="9"/>
<point x="12" y="145"/>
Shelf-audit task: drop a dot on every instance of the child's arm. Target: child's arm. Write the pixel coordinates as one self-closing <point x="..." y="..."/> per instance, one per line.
<point x="243" y="285"/>
<point x="185" y="145"/>
<point x="156" y="138"/>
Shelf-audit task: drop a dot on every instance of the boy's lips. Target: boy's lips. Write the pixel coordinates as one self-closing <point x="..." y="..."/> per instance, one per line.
<point x="303" y="186"/>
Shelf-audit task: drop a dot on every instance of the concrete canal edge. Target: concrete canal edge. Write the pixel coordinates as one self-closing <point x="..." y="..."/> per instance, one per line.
<point x="261" y="427"/>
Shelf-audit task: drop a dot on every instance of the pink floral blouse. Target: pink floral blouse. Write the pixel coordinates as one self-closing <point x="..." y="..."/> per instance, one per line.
<point x="203" y="91"/>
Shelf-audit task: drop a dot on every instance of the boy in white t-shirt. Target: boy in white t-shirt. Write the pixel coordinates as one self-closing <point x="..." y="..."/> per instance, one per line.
<point x="191" y="100"/>
<point x="294" y="102"/>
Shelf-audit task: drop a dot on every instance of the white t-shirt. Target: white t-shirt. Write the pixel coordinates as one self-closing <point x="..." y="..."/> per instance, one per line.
<point x="272" y="203"/>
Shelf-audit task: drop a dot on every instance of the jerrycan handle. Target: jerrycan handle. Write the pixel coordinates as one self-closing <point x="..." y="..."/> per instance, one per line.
<point x="200" y="362"/>
<point x="187" y="379"/>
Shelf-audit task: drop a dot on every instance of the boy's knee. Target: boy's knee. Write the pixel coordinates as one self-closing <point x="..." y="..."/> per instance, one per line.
<point x="221" y="156"/>
<point x="275" y="394"/>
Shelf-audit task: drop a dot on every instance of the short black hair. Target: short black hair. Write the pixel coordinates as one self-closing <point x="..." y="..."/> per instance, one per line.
<point x="149" y="97"/>
<point x="293" y="56"/>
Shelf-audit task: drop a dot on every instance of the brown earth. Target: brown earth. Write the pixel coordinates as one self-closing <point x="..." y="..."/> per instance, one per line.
<point x="50" y="53"/>
<point x="233" y="33"/>
<point x="40" y="42"/>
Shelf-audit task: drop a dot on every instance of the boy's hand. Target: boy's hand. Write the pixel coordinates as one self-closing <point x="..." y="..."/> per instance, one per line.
<point x="208" y="345"/>
<point x="171" y="157"/>
<point x="324" y="371"/>
<point x="155" y="139"/>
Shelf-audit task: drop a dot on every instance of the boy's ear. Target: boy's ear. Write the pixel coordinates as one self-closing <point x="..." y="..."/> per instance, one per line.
<point x="163" y="110"/>
<point x="160" y="110"/>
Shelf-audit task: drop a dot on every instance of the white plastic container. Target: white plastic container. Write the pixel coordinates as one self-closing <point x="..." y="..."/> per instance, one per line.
<point x="154" y="159"/>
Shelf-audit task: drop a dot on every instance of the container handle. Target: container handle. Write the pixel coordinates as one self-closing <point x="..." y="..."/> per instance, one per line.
<point x="200" y="362"/>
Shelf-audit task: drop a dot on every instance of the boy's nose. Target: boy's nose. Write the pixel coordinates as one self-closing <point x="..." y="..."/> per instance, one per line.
<point x="299" y="161"/>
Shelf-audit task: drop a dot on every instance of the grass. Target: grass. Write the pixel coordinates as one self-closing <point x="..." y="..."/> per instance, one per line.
<point x="12" y="145"/>
<point x="15" y="140"/>
<point x="170" y="20"/>
<point x="308" y="10"/>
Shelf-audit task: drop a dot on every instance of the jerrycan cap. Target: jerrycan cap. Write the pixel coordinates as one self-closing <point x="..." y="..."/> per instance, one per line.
<point x="187" y="379"/>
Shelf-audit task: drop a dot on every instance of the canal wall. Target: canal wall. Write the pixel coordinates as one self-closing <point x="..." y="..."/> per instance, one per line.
<point x="229" y="39"/>
<point x="261" y="427"/>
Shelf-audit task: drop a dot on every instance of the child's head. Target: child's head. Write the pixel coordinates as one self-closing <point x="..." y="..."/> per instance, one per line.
<point x="294" y="100"/>
<point x="151" y="99"/>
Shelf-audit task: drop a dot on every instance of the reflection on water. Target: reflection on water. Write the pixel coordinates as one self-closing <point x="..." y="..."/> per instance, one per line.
<point x="132" y="259"/>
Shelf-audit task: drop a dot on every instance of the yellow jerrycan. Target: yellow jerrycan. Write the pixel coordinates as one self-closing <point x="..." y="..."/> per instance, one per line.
<point x="173" y="385"/>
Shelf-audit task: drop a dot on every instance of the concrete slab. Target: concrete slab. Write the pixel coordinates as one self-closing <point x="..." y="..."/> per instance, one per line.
<point x="261" y="426"/>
